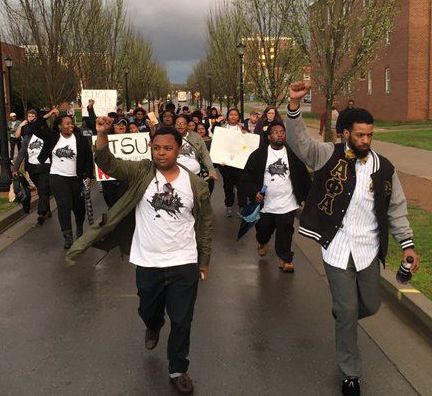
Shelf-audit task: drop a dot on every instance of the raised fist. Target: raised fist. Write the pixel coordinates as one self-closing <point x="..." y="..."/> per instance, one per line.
<point x="103" y="125"/>
<point x="298" y="90"/>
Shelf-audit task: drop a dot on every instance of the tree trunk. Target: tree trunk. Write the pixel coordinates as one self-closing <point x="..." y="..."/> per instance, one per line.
<point x="329" y="135"/>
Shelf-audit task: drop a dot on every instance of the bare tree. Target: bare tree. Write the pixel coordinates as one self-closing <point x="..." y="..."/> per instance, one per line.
<point x="272" y="58"/>
<point x="340" y="38"/>
<point x="48" y="25"/>
<point x="198" y="80"/>
<point x="224" y="33"/>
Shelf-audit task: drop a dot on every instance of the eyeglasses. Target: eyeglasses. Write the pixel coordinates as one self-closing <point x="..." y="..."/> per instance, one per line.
<point x="168" y="194"/>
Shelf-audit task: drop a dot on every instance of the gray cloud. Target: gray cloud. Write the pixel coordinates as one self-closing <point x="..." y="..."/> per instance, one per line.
<point x="176" y="29"/>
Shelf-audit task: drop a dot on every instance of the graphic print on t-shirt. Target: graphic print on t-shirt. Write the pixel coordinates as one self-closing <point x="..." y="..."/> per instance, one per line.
<point x="278" y="168"/>
<point x="168" y="201"/>
<point x="64" y="152"/>
<point x="187" y="150"/>
<point x="36" y="145"/>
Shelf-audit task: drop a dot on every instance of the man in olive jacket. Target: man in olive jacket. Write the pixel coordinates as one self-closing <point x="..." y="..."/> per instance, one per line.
<point x="164" y="222"/>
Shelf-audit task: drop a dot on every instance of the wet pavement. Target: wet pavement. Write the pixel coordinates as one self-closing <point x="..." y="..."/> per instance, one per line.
<point x="256" y="331"/>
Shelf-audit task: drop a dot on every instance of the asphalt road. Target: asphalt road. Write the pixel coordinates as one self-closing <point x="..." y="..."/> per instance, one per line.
<point x="256" y="331"/>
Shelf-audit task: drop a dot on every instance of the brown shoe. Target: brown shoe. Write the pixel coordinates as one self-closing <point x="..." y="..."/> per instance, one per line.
<point x="285" y="266"/>
<point x="183" y="384"/>
<point x="151" y="339"/>
<point x="263" y="249"/>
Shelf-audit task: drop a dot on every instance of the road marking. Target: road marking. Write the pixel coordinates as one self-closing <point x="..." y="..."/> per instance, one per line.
<point x="409" y="291"/>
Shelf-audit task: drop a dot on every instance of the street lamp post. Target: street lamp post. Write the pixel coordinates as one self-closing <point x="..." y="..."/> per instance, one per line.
<point x="5" y="172"/>
<point x="127" y="89"/>
<point x="241" y="51"/>
<point x="9" y="64"/>
<point x="210" y="90"/>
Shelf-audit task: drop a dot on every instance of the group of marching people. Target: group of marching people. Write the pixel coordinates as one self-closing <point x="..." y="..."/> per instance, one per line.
<point x="160" y="212"/>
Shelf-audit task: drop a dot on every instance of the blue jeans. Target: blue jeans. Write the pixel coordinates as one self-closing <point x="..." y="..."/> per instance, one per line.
<point x="174" y="289"/>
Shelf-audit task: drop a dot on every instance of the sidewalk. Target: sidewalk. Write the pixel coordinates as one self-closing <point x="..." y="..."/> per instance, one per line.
<point x="409" y="160"/>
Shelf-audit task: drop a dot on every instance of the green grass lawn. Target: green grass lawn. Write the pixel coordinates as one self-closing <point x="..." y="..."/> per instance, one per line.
<point x="413" y="137"/>
<point x="5" y="205"/>
<point x="421" y="222"/>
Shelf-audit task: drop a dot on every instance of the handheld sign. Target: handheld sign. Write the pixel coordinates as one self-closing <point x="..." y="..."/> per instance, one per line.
<point x="232" y="148"/>
<point x="127" y="146"/>
<point x="105" y="101"/>
<point x="152" y="117"/>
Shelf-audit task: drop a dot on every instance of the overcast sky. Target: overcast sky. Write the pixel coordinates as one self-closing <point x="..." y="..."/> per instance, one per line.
<point x="176" y="29"/>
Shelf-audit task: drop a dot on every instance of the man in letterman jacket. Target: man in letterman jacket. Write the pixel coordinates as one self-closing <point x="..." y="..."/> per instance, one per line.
<point x="355" y="200"/>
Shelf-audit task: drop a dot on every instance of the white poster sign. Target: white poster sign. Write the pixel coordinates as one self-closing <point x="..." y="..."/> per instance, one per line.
<point x="127" y="146"/>
<point x="105" y="101"/>
<point x="232" y="148"/>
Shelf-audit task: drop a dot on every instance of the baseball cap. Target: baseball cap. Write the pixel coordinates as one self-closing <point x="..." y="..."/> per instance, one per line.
<point x="120" y="121"/>
<point x="12" y="115"/>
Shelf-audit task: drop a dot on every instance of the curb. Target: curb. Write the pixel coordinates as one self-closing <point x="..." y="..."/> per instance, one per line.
<point x="16" y="214"/>
<point x="411" y="299"/>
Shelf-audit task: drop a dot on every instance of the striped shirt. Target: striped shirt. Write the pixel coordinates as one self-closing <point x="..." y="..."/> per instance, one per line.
<point x="359" y="232"/>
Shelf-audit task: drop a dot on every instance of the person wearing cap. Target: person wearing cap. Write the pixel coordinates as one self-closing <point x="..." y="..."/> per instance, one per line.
<point x="250" y="123"/>
<point x="120" y="126"/>
<point x="13" y="124"/>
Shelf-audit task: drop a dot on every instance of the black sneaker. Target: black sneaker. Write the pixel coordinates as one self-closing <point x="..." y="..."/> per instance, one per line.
<point x="151" y="339"/>
<point x="41" y="219"/>
<point x="183" y="384"/>
<point x="351" y="386"/>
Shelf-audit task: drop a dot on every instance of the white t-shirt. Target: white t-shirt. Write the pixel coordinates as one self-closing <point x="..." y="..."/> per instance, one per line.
<point x="33" y="150"/>
<point x="188" y="157"/>
<point x="279" y="197"/>
<point x="164" y="232"/>
<point x="64" y="157"/>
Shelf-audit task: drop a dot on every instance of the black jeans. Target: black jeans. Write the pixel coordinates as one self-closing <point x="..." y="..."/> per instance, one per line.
<point x="284" y="225"/>
<point x="173" y="288"/>
<point x="14" y="142"/>
<point x="67" y="193"/>
<point x="39" y="175"/>
<point x="232" y="179"/>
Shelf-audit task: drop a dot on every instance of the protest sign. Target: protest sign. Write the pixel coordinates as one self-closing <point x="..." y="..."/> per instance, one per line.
<point x="105" y="101"/>
<point x="127" y="146"/>
<point x="232" y="148"/>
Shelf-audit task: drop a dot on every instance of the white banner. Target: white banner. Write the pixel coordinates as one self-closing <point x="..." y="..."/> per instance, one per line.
<point x="127" y="146"/>
<point x="105" y="101"/>
<point x="232" y="148"/>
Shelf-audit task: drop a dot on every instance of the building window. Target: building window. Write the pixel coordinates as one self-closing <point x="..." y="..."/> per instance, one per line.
<point x="387" y="80"/>
<point x="387" y="37"/>
<point x="369" y="82"/>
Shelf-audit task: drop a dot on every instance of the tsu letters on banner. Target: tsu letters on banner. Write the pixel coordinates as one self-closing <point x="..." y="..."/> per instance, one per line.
<point x="105" y="101"/>
<point x="232" y="148"/>
<point x="127" y="146"/>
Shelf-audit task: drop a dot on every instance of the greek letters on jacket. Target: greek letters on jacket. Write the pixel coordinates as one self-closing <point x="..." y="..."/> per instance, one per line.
<point x="331" y="195"/>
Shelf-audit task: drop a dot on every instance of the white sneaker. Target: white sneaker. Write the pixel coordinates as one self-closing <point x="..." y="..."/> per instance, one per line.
<point x="229" y="211"/>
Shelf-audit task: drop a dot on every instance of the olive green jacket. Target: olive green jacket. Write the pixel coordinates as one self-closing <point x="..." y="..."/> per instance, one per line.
<point x="198" y="144"/>
<point x="117" y="226"/>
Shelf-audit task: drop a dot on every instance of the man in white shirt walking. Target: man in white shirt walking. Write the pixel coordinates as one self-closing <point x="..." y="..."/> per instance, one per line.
<point x="356" y="199"/>
<point x="287" y="184"/>
<point x="169" y="243"/>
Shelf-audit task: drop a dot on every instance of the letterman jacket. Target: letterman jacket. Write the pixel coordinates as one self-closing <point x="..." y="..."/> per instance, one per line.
<point x="334" y="183"/>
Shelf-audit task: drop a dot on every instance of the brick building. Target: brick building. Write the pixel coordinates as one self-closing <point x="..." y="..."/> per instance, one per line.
<point x="398" y="86"/>
<point x="15" y="54"/>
